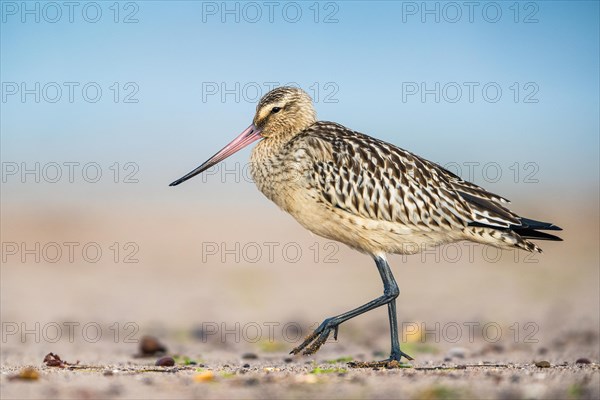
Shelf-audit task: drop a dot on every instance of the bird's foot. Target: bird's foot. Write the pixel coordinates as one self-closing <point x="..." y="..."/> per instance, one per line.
<point x="397" y="356"/>
<point x="315" y="340"/>
<point x="393" y="362"/>
<point x="388" y="364"/>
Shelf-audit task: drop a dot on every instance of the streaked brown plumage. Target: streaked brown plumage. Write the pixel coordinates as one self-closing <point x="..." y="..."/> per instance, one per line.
<point x="387" y="199"/>
<point x="369" y="194"/>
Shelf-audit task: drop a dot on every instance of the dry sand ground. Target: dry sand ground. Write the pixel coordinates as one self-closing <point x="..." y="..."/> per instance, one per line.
<point x="173" y="294"/>
<point x="497" y="374"/>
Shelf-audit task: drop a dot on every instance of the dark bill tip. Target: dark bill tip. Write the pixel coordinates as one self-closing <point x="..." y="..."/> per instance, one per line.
<point x="249" y="135"/>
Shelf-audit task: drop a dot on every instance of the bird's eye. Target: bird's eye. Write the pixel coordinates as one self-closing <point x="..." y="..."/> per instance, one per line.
<point x="275" y="110"/>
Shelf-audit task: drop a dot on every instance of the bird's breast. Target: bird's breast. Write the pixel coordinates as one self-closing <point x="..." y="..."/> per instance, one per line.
<point x="277" y="174"/>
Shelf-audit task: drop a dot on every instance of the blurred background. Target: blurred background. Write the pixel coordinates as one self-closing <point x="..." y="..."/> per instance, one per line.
<point x="105" y="103"/>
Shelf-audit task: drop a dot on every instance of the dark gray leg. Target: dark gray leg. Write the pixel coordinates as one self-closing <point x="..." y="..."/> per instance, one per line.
<point x="396" y="353"/>
<point x="390" y="291"/>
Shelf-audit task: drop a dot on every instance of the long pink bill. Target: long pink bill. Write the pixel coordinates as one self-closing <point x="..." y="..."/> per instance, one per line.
<point x="250" y="135"/>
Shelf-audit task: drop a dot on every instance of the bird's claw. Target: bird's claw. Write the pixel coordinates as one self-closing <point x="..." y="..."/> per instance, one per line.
<point x="315" y="340"/>
<point x="390" y="363"/>
<point x="395" y="361"/>
<point x="398" y="356"/>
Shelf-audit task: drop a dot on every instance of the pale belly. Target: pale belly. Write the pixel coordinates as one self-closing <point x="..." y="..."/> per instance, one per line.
<point x="366" y="235"/>
<point x="285" y="185"/>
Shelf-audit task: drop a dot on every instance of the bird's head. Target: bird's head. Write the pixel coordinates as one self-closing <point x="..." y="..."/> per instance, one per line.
<point x="284" y="111"/>
<point x="280" y="114"/>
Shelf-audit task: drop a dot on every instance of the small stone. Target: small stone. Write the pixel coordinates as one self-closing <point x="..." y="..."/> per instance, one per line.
<point x="149" y="346"/>
<point x="583" y="361"/>
<point x="27" y="374"/>
<point x="246" y="365"/>
<point x="288" y="360"/>
<point x="206" y="376"/>
<point x="493" y="348"/>
<point x="542" y="364"/>
<point x="249" y="356"/>
<point x="457" y="352"/>
<point x="147" y="380"/>
<point x="165" y="362"/>
<point x="447" y="359"/>
<point x="108" y="373"/>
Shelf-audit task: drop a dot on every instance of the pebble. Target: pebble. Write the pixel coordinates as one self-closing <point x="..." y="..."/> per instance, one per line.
<point x="249" y="356"/>
<point x="583" y="361"/>
<point x="246" y="365"/>
<point x="251" y="382"/>
<point x="149" y="346"/>
<point x="165" y="362"/>
<point x="542" y="364"/>
<point x="27" y="374"/>
<point x="206" y="376"/>
<point x="458" y="352"/>
<point x="495" y="348"/>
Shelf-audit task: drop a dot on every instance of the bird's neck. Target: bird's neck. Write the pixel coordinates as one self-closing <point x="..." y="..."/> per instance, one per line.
<point x="273" y="145"/>
<point x="268" y="149"/>
<point x="268" y="166"/>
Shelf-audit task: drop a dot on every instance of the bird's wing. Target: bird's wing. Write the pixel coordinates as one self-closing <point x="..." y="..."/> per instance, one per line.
<point x="379" y="181"/>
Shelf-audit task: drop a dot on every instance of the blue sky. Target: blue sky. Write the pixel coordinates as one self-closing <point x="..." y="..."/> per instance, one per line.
<point x="361" y="63"/>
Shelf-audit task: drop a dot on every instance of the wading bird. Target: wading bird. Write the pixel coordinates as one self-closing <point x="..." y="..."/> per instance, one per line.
<point x="368" y="194"/>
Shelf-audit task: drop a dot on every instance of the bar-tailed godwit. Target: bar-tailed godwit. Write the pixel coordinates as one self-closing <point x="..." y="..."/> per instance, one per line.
<point x="371" y="195"/>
